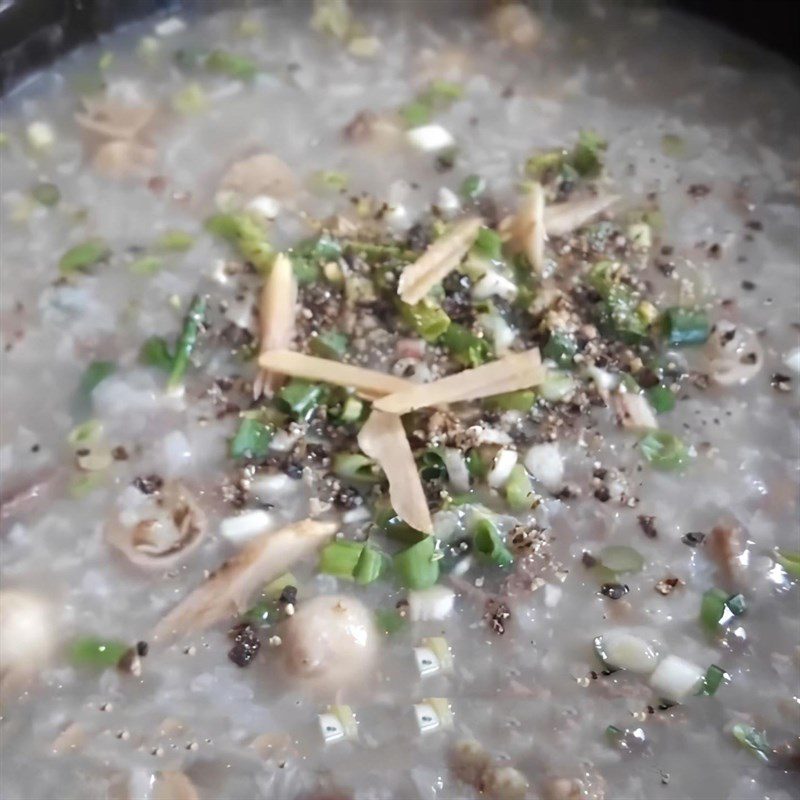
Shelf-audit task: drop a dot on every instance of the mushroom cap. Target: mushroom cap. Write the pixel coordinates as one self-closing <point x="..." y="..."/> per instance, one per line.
<point x="330" y="642"/>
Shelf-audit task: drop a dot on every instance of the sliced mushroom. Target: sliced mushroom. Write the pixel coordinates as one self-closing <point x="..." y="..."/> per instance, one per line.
<point x="734" y="354"/>
<point x="261" y="174"/>
<point x="165" y="531"/>
<point x="329" y="643"/>
<point x="26" y="637"/>
<point x="122" y="158"/>
<point x="114" y="120"/>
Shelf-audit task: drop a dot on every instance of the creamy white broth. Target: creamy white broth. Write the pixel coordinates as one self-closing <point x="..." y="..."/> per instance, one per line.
<point x="527" y="695"/>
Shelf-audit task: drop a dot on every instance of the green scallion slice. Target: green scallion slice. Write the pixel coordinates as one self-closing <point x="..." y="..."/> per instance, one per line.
<point x="561" y="348"/>
<point x="519" y="489"/>
<point x="789" y="560"/>
<point x="661" y="398"/>
<point x="95" y="373"/>
<point x="621" y="559"/>
<point x="232" y="65"/>
<point x="685" y="326"/>
<point x="155" y="353"/>
<point x="489" y="543"/>
<point x="465" y="347"/>
<point x="329" y="344"/>
<point x="489" y="244"/>
<point x="472" y="186"/>
<point x="521" y="400"/>
<point x="664" y="450"/>
<point x="356" y="468"/>
<point x="300" y="398"/>
<point x="753" y="739"/>
<point x="93" y="651"/>
<point x="46" y="194"/>
<point x="252" y="439"/>
<point x="371" y="563"/>
<point x="714" y="678"/>
<point x="176" y="241"/>
<point x="192" y="325"/>
<point x="428" y="320"/>
<point x="340" y="558"/>
<point x="83" y="256"/>
<point x="417" y="566"/>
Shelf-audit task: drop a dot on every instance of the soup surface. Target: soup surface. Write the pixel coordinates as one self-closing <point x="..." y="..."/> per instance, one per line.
<point x="245" y="555"/>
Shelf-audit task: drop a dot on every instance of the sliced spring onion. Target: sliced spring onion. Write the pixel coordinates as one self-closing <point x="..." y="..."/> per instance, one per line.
<point x="556" y="386"/>
<point x="714" y="609"/>
<point x="371" y="563"/>
<point x="431" y="465"/>
<point x="425" y="318"/>
<point x="176" y="241"/>
<point x="664" y="450"/>
<point x="521" y="400"/>
<point x="519" y="490"/>
<point x="714" y="678"/>
<point x="275" y="588"/>
<point x="737" y="604"/>
<point x="621" y="559"/>
<point x="232" y="65"/>
<point x="685" y="326"/>
<point x="477" y="465"/>
<point x="415" y="114"/>
<point x="300" y="398"/>
<point x="92" y="651"/>
<point x="246" y="234"/>
<point x="472" y="186"/>
<point x="84" y="256"/>
<point x="661" y="398"/>
<point x="389" y="621"/>
<point x="753" y="739"/>
<point x="95" y="373"/>
<point x="265" y="612"/>
<point x="191" y="99"/>
<point x="146" y="265"/>
<point x="192" y="326"/>
<point x="417" y="566"/>
<point x="586" y="157"/>
<point x="252" y="439"/>
<point x="46" y="194"/>
<point x="330" y="344"/>
<point x="489" y="244"/>
<point x="561" y="348"/>
<point x="155" y="353"/>
<point x="356" y="467"/>
<point x="340" y="558"/>
<point x="395" y="528"/>
<point x="488" y="542"/>
<point x="85" y="433"/>
<point x="789" y="560"/>
<point x="330" y="179"/>
<point x="465" y="347"/>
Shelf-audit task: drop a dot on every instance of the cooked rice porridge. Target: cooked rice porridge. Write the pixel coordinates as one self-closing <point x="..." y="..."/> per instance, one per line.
<point x="400" y="401"/>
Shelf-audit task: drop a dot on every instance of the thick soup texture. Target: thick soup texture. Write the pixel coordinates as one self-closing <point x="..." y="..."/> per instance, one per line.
<point x="401" y="401"/>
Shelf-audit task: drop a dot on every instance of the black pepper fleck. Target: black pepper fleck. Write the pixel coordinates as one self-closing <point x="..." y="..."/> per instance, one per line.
<point x="648" y="525"/>
<point x="693" y="538"/>
<point x="613" y="591"/>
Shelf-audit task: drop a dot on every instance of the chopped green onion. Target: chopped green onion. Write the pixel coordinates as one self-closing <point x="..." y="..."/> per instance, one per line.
<point x="737" y="604"/>
<point x="146" y="265"/>
<point x="371" y="563"/>
<point x="440" y="93"/>
<point x="252" y="439"/>
<point x="477" y="465"/>
<point x="389" y="621"/>
<point x="428" y="320"/>
<point x="191" y="99"/>
<point x="586" y="156"/>
<point x="95" y="373"/>
<point x="83" y="256"/>
<point x="415" y="114"/>
<point x="155" y="353"/>
<point x="395" y="528"/>
<point x="305" y="270"/>
<point x="431" y="465"/>
<point x="714" y="678"/>
<point x="521" y="400"/>
<point x="92" y="651"/>
<point x="187" y="340"/>
<point x="330" y="179"/>
<point x="718" y="608"/>
<point x="176" y="241"/>
<point x="417" y="566"/>
<point x="620" y="558"/>
<point x="664" y="450"/>
<point x="274" y="588"/>
<point x="489" y="244"/>
<point x="85" y="484"/>
<point x="340" y="558"/>
<point x="682" y="326"/>
<point x="46" y="194"/>
<point x="673" y="146"/>
<point x="754" y="740"/>
<point x="465" y="347"/>
<point x="262" y="613"/>
<point x="300" y="398"/>
<point x="556" y="386"/>
<point x="246" y="234"/>
<point x="329" y="344"/>
<point x="544" y="166"/>
<point x="789" y="560"/>
<point x="232" y="65"/>
<point x="488" y="542"/>
<point x="561" y="348"/>
<point x="323" y="247"/>
<point x="661" y="398"/>
<point x="472" y="186"/>
<point x="519" y="490"/>
<point x="85" y="433"/>
<point x="356" y="467"/>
